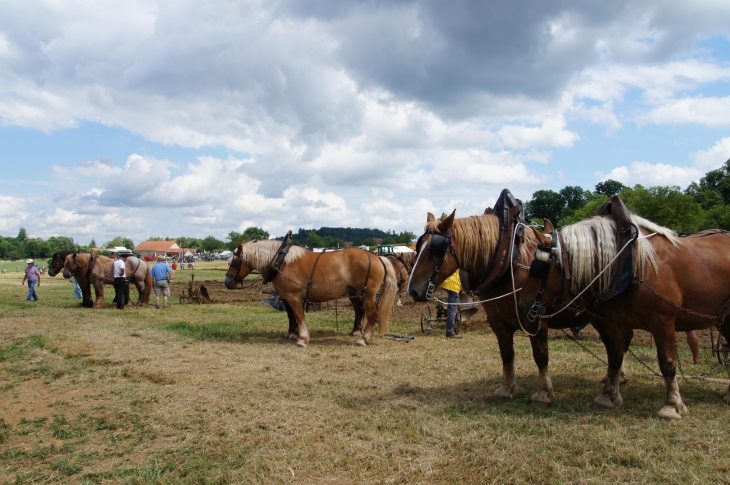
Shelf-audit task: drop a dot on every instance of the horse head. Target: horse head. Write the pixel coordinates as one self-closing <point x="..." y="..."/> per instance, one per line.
<point x="237" y="269"/>
<point x="56" y="264"/>
<point x="436" y="258"/>
<point x="546" y="281"/>
<point x="70" y="266"/>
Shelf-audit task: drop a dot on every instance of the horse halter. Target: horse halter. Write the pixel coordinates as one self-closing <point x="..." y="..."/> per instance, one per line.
<point x="440" y="245"/>
<point x="235" y="264"/>
<point x="540" y="269"/>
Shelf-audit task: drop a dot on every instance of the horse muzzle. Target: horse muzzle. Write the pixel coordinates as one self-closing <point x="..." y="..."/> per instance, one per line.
<point x="230" y="282"/>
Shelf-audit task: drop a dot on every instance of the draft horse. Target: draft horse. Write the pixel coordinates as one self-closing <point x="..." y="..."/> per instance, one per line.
<point x="473" y="244"/>
<point x="676" y="285"/>
<point x="305" y="276"/>
<point x="92" y="270"/>
<point x="57" y="266"/>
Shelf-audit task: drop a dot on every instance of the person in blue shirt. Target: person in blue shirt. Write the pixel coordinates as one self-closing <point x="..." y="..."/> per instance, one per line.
<point x="161" y="273"/>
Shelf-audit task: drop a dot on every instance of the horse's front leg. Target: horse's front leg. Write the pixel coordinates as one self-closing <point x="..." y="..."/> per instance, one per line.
<point x="508" y="389"/>
<point x="615" y="341"/>
<point x="357" y="306"/>
<point x="301" y="326"/>
<point x="99" y="291"/>
<point x="666" y="349"/>
<point x="623" y="376"/>
<point x="293" y="332"/>
<point x="86" y="300"/>
<point x="370" y="307"/>
<point x="539" y="342"/>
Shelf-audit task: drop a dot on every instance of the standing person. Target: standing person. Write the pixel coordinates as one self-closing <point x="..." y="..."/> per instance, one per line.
<point x="452" y="285"/>
<point x="120" y="281"/>
<point x="77" y="288"/>
<point x="694" y="346"/>
<point x="161" y="273"/>
<point x="34" y="279"/>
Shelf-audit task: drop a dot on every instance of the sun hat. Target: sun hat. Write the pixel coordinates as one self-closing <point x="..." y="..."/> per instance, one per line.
<point x="29" y="261"/>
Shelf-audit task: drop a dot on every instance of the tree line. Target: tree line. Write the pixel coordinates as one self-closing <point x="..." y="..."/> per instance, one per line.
<point x="702" y="205"/>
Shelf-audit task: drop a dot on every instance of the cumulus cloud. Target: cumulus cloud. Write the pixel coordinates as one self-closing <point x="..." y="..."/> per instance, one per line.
<point x="322" y="112"/>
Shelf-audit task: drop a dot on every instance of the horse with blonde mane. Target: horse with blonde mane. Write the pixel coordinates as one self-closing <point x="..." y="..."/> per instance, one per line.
<point x="92" y="270"/>
<point x="472" y="245"/>
<point x="306" y="277"/>
<point x="673" y="284"/>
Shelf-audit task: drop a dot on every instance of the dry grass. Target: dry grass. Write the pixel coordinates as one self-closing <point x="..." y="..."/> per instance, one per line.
<point x="213" y="394"/>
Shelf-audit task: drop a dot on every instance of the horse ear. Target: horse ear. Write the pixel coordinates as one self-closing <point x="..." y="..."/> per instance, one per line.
<point x="430" y="217"/>
<point x="549" y="229"/>
<point x="542" y="238"/>
<point x="446" y="223"/>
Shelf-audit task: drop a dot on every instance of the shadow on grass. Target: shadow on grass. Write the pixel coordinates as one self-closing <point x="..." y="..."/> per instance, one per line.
<point x="574" y="396"/>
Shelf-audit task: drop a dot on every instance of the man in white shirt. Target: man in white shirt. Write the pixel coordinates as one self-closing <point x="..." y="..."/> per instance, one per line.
<point x="120" y="281"/>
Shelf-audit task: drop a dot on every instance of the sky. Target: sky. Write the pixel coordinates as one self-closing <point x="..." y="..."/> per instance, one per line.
<point x="181" y="118"/>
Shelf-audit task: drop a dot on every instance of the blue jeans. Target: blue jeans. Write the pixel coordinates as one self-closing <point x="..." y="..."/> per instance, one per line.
<point x="77" y="288"/>
<point x="31" y="291"/>
<point x="451" y="312"/>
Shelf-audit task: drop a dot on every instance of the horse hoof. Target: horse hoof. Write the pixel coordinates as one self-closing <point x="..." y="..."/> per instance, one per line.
<point x="669" y="412"/>
<point x="291" y="336"/>
<point x="682" y="409"/>
<point x="540" y="400"/>
<point x="356" y="333"/>
<point x="360" y="343"/>
<point x="503" y="392"/>
<point x="602" y="403"/>
<point x="302" y="344"/>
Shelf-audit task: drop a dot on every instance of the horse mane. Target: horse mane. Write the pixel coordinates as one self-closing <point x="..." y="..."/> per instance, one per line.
<point x="592" y="244"/>
<point x="477" y="238"/>
<point x="258" y="254"/>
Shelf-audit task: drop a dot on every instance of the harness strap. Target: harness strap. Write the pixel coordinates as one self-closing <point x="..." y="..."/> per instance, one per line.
<point x="274" y="266"/>
<point x="500" y="263"/>
<point x="367" y="277"/>
<point x="309" y="284"/>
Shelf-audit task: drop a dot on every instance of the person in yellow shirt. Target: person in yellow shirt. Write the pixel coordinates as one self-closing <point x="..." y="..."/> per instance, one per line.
<point x="452" y="285"/>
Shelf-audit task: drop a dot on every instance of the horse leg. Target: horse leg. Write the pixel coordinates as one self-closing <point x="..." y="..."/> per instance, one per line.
<point x="543" y="397"/>
<point x="623" y="375"/>
<point x="371" y="313"/>
<point x="291" y="334"/>
<point x="725" y="329"/>
<point x="99" y="290"/>
<point x="359" y="316"/>
<point x="666" y="349"/>
<point x="301" y="325"/>
<point x="505" y="338"/>
<point x="615" y="344"/>
<point x="86" y="300"/>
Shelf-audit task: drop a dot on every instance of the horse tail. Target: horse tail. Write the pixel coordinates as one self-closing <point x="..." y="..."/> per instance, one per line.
<point x="387" y="296"/>
<point x="144" y="298"/>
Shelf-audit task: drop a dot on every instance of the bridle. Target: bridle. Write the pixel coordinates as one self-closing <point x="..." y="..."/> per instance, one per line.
<point x="540" y="268"/>
<point x="440" y="245"/>
<point x="235" y="264"/>
<point x="403" y="265"/>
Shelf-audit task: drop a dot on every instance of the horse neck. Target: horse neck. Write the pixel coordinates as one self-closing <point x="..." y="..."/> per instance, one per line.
<point x="475" y="251"/>
<point x="254" y="256"/>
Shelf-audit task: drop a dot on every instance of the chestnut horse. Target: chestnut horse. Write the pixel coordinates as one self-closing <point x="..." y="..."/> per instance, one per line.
<point x="678" y="285"/>
<point x="470" y="244"/>
<point x="137" y="272"/>
<point x="316" y="277"/>
<point x="57" y="266"/>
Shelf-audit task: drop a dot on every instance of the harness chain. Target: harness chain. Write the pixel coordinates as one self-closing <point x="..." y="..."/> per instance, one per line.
<point x="678" y="307"/>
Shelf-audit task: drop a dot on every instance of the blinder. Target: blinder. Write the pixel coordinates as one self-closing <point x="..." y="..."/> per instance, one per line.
<point x="440" y="244"/>
<point x="540" y="268"/>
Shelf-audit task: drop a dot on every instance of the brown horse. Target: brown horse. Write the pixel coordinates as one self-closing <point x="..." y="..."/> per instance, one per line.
<point x="315" y="277"/>
<point x="57" y="266"/>
<point x="678" y="285"/>
<point x="102" y="272"/>
<point x="403" y="264"/>
<point x="471" y="244"/>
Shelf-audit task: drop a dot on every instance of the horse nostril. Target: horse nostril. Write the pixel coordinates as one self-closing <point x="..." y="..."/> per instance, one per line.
<point x="414" y="294"/>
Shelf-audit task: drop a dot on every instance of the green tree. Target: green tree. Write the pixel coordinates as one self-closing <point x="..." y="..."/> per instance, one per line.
<point x="609" y="188"/>
<point x="666" y="206"/>
<point x="92" y="244"/>
<point x="405" y="237"/>
<point x="388" y="240"/>
<point x="314" y="241"/>
<point x="120" y="241"/>
<point x="252" y="233"/>
<point x="545" y="204"/>
<point x="22" y="235"/>
<point x="595" y="201"/>
<point x="234" y="239"/>
<point x="210" y="243"/>
<point x="370" y="241"/>
<point x="357" y="241"/>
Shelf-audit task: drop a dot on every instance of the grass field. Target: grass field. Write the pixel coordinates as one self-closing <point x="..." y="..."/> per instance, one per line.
<point x="214" y="394"/>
